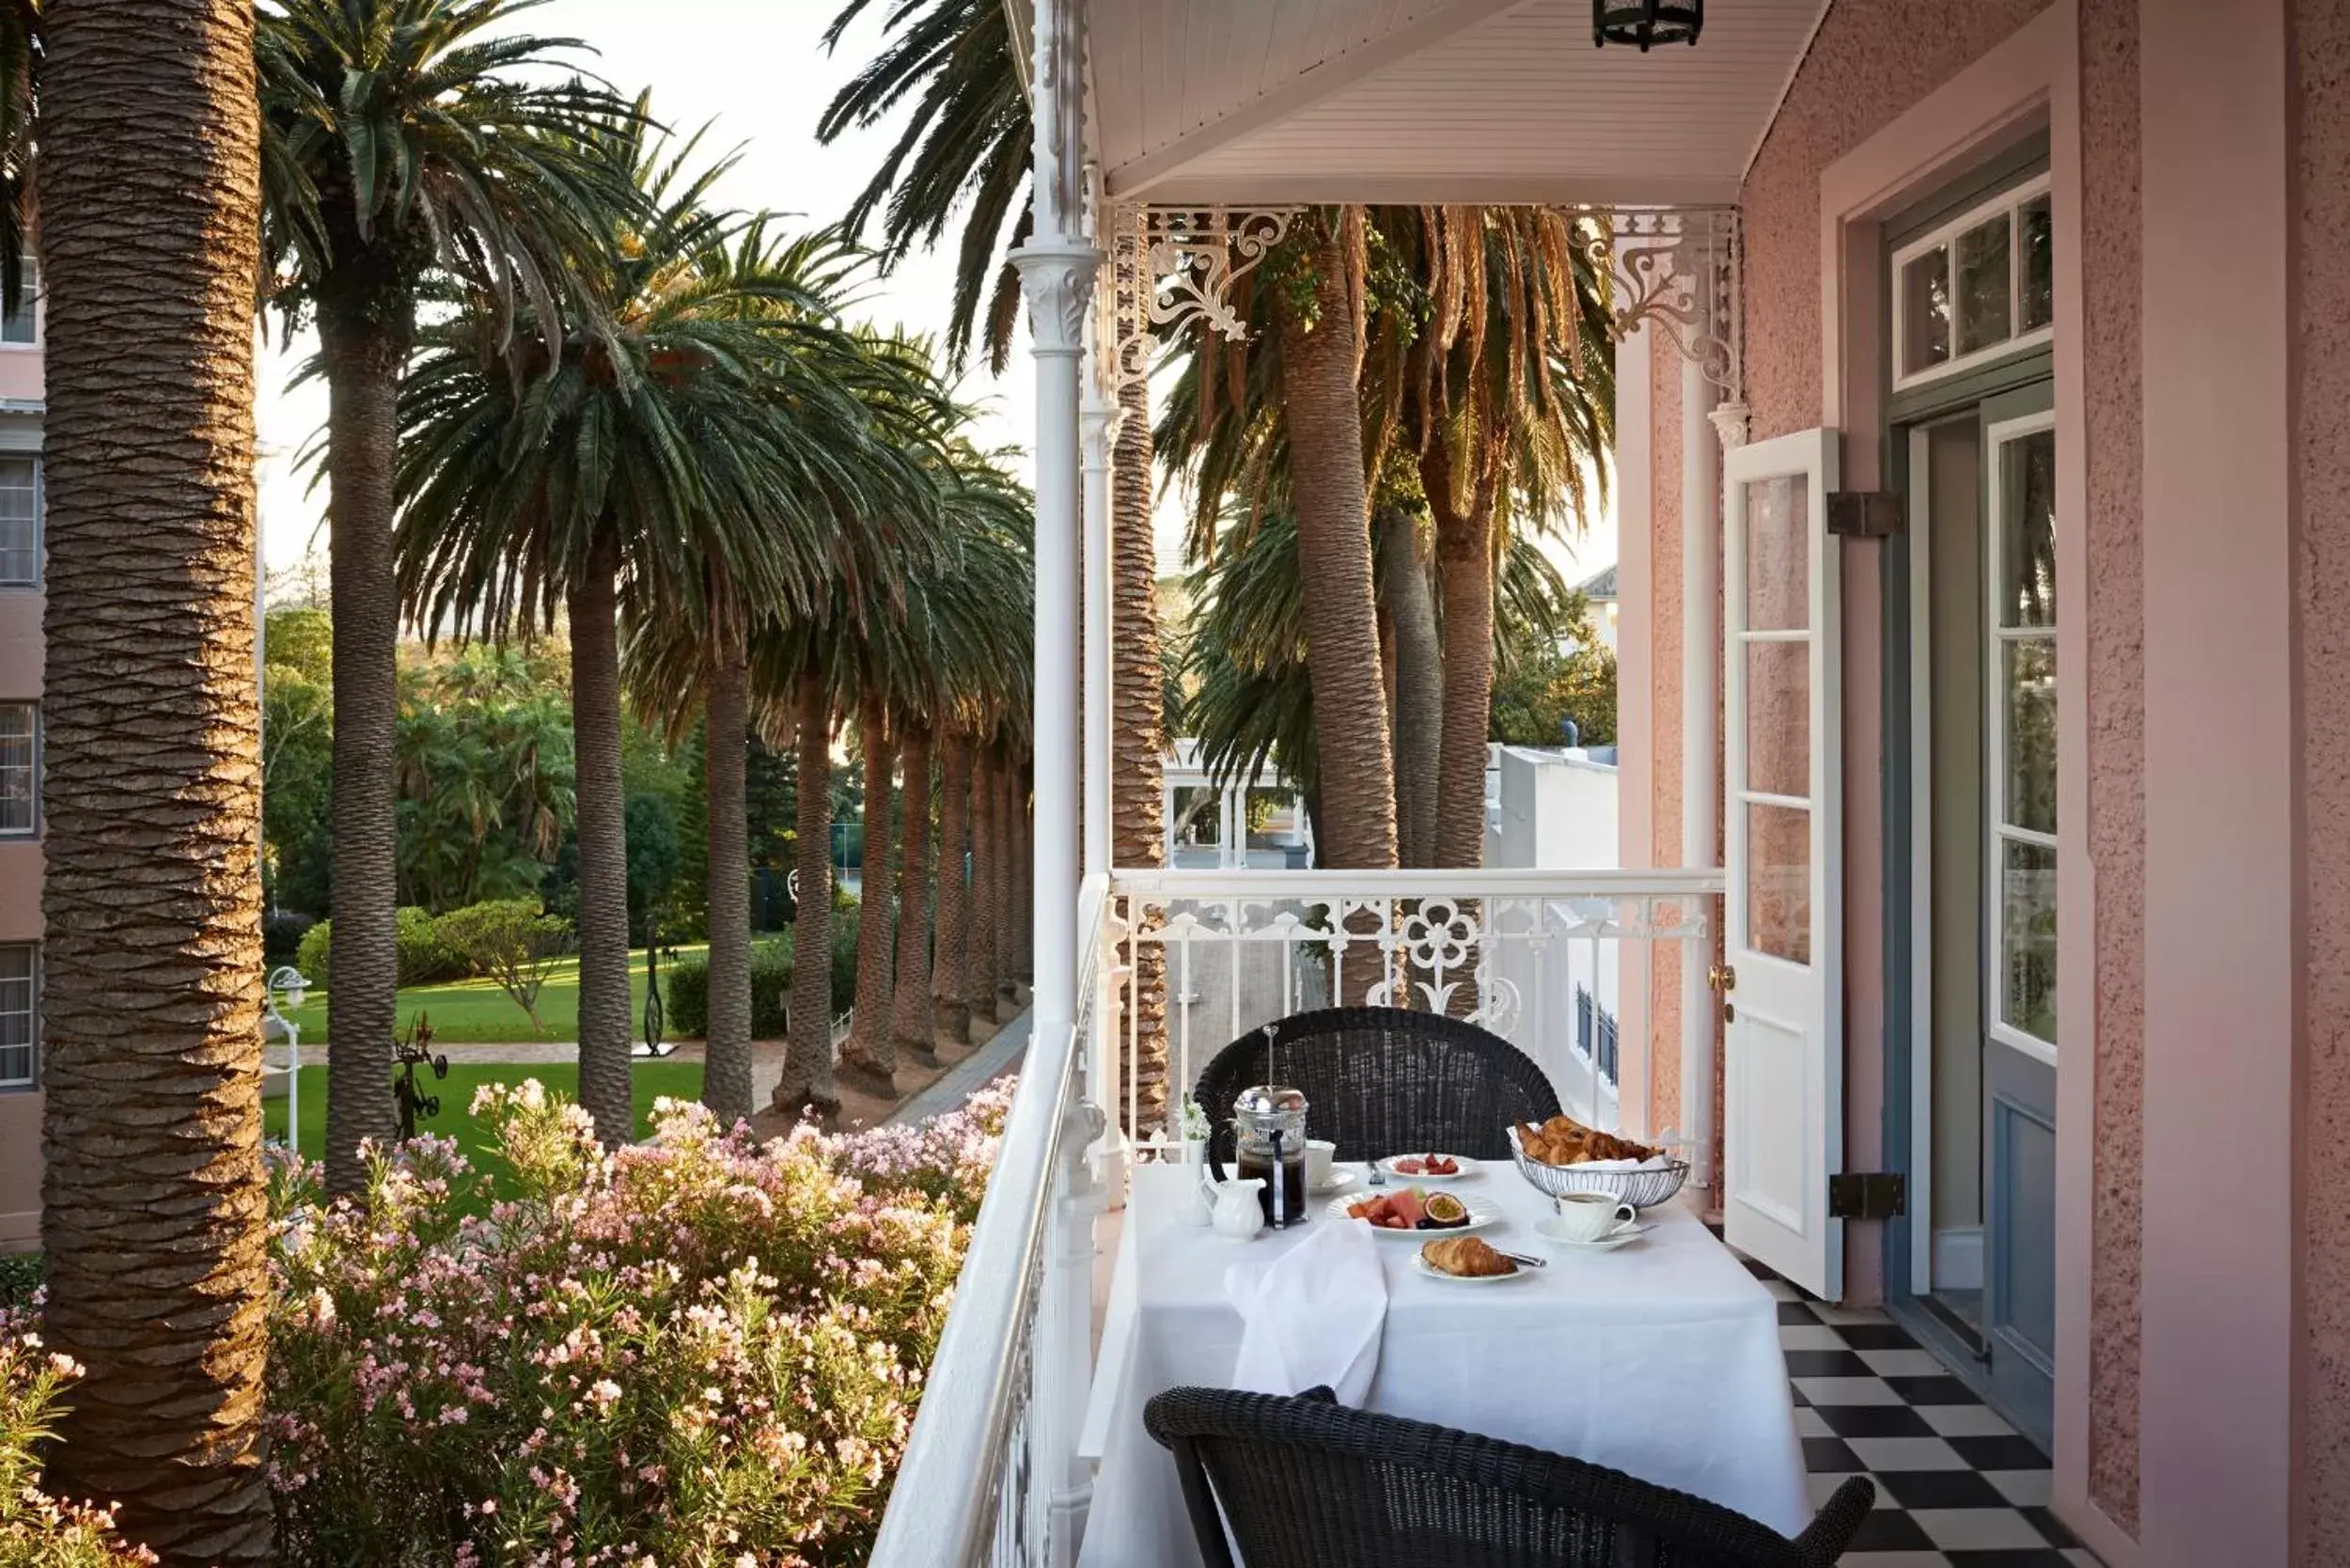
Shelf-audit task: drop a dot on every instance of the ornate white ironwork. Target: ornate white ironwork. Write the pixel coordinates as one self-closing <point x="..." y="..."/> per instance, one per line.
<point x="1508" y="950"/>
<point x="1678" y="269"/>
<point x="1170" y="267"/>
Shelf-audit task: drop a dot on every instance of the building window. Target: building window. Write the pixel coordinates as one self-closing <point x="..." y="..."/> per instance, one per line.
<point x="19" y="522"/>
<point x="20" y="768"/>
<point x="20" y="1013"/>
<point x="22" y="325"/>
<point x="1978" y="287"/>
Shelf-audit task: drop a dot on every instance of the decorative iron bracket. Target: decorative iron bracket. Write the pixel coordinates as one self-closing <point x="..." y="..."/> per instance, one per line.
<point x="1173" y="266"/>
<point x="1677" y="268"/>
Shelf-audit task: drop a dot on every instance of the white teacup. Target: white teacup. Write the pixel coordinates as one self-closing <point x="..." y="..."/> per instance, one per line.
<point x="1318" y="1154"/>
<point x="1588" y="1216"/>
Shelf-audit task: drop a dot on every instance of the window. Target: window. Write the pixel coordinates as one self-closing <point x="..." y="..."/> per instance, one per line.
<point x="1976" y="288"/>
<point x="20" y="1013"/>
<point x="19" y="522"/>
<point x="21" y="326"/>
<point x="2020" y="734"/>
<point x="19" y="767"/>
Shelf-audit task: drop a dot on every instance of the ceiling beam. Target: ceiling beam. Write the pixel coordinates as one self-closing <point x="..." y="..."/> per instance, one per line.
<point x="1323" y="187"/>
<point x="1136" y="179"/>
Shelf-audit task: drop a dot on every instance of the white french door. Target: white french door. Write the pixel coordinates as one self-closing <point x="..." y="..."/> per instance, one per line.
<point x="1783" y="1124"/>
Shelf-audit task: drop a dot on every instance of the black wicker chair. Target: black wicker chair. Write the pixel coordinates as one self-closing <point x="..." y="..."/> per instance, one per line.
<point x="1382" y="1081"/>
<point x="1305" y="1482"/>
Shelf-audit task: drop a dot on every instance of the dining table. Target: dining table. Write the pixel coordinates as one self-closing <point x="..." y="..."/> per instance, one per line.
<point x="1660" y="1359"/>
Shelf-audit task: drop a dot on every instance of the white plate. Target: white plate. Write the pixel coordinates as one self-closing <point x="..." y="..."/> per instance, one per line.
<point x="1468" y="1169"/>
<point x="1483" y="1214"/>
<point x="1519" y="1272"/>
<point x="1623" y="1236"/>
<point x="1341" y="1180"/>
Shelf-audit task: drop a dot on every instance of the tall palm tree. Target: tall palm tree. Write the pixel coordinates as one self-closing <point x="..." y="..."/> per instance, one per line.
<point x="678" y="667"/>
<point x="153" y="1211"/>
<point x="400" y="137"/>
<point x="635" y="459"/>
<point x="868" y="1055"/>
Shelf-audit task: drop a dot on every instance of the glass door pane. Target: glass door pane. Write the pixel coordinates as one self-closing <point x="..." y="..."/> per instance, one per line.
<point x="2020" y="730"/>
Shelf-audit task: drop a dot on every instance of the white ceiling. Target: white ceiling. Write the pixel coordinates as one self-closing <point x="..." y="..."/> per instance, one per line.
<point x="1265" y="101"/>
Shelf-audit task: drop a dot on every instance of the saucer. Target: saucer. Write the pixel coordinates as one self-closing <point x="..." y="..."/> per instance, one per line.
<point x="1624" y="1235"/>
<point x="1340" y="1181"/>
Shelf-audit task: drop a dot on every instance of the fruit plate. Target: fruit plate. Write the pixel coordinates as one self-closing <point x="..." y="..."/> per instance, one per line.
<point x="1483" y="1213"/>
<point x="1466" y="1167"/>
<point x="1518" y="1271"/>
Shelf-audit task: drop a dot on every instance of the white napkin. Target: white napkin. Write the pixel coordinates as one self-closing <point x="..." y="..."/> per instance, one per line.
<point x="1312" y="1315"/>
<point x="1655" y="1162"/>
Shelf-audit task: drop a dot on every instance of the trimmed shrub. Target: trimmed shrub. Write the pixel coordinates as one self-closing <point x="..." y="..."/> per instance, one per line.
<point x="685" y="984"/>
<point x="423" y="959"/>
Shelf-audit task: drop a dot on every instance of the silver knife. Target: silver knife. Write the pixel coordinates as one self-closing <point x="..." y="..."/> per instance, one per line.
<point x="1522" y="1258"/>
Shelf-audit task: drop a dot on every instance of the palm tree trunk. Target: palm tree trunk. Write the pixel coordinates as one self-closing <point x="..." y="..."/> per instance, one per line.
<point x="154" y="1207"/>
<point x="1420" y="672"/>
<point x="1464" y="552"/>
<point x="726" y="1054"/>
<point x="605" y="1087"/>
<point x="870" y="1056"/>
<point x="808" y="1058"/>
<point x="987" y="912"/>
<point x="949" y="993"/>
<point x="1320" y="357"/>
<point x="363" y="363"/>
<point x="1137" y="735"/>
<point x="910" y="1003"/>
<point x="1008" y="859"/>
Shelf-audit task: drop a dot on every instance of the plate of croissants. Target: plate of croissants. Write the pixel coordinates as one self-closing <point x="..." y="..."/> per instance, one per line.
<point x="1468" y="1260"/>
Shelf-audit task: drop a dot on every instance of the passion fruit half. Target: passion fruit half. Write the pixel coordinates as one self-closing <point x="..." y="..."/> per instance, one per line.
<point x="1444" y="1211"/>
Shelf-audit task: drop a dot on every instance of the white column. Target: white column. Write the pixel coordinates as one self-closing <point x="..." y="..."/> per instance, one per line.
<point x="1056" y="275"/>
<point x="1700" y="705"/>
<point x="1098" y="419"/>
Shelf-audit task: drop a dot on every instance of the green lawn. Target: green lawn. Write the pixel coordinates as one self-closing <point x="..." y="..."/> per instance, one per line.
<point x="477" y="1012"/>
<point x="677" y="1080"/>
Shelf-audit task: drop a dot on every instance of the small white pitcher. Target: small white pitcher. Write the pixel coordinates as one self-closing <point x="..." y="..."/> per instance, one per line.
<point x="1236" y="1213"/>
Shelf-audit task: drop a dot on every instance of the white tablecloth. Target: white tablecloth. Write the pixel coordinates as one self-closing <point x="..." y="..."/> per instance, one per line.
<point x="1661" y="1359"/>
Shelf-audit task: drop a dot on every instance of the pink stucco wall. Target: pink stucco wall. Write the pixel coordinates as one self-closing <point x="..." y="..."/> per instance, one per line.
<point x="2114" y="689"/>
<point x="1665" y="684"/>
<point x="1868" y="64"/>
<point x="2322" y="393"/>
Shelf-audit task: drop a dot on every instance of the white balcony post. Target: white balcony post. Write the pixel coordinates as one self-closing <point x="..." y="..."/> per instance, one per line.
<point x="1099" y="420"/>
<point x="1700" y="706"/>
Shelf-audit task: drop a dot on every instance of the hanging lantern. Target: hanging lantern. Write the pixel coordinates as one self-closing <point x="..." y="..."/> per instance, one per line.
<point x="1646" y="22"/>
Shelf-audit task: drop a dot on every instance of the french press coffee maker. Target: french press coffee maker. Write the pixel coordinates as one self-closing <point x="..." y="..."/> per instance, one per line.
<point x="1269" y="1133"/>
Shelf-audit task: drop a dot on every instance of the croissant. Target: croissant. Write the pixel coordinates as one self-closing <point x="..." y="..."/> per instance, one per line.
<point x="1466" y="1255"/>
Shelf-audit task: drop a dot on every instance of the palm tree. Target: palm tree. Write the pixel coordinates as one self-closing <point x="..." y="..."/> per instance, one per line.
<point x="867" y="1055"/>
<point x="400" y="137"/>
<point x="153" y="1211"/>
<point x="962" y="619"/>
<point x="696" y="431"/>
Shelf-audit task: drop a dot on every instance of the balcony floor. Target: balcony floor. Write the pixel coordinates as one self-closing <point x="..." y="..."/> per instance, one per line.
<point x="1955" y="1483"/>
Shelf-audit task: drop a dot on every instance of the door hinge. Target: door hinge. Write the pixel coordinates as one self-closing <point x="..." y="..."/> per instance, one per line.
<point x="1868" y="1194"/>
<point x="1865" y="513"/>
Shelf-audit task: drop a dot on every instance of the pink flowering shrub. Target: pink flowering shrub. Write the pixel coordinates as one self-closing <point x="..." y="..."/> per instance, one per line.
<point x="37" y="1530"/>
<point x="694" y="1351"/>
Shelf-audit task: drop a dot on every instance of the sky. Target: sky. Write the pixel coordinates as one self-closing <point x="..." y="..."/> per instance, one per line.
<point x="756" y="73"/>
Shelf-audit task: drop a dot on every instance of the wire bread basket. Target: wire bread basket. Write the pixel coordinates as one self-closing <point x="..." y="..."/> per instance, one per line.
<point x="1643" y="1188"/>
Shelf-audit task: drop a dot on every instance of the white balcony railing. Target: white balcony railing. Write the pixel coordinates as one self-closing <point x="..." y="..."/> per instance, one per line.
<point x="1559" y="962"/>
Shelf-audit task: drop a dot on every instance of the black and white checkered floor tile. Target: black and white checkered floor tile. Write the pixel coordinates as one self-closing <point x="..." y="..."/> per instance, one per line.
<point x="1957" y="1487"/>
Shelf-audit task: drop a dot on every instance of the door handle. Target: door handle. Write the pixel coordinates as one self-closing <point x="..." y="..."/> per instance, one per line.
<point x="1721" y="977"/>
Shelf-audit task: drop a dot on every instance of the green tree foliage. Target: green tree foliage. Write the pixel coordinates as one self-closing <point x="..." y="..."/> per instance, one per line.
<point x="511" y="942"/>
<point x="484" y="748"/>
<point x="298" y="763"/>
<point x="653" y="855"/>
<point x="1540" y="679"/>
